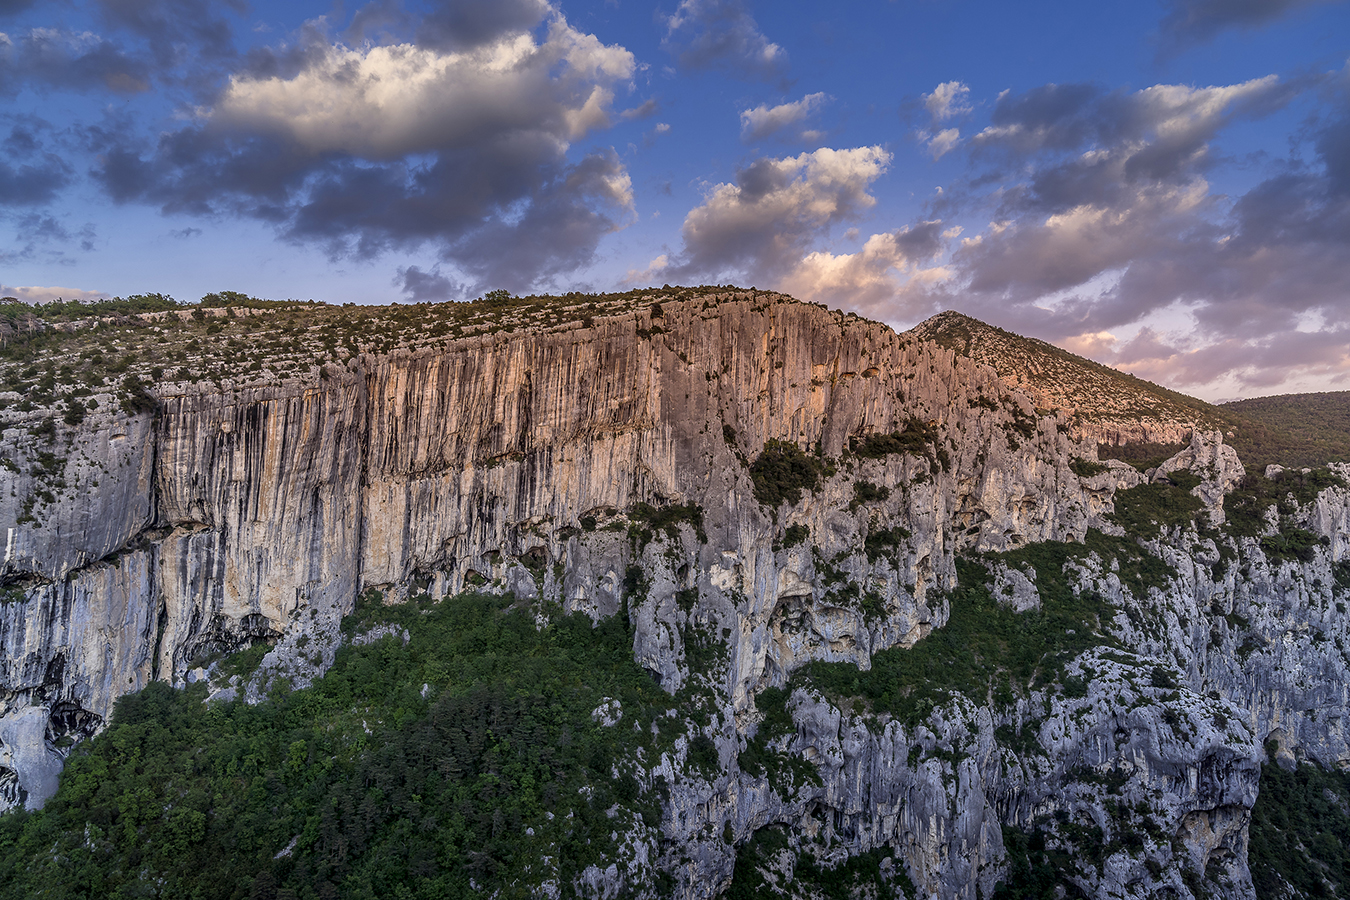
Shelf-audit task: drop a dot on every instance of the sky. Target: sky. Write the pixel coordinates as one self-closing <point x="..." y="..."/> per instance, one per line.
<point x="1160" y="185"/>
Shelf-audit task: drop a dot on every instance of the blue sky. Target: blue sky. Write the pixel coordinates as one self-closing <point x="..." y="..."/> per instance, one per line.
<point x="1163" y="186"/>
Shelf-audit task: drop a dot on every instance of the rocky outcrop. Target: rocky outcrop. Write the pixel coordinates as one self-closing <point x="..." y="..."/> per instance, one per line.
<point x="1214" y="462"/>
<point x="607" y="468"/>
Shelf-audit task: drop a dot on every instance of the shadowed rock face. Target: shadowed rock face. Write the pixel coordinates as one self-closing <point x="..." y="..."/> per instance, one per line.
<point x="517" y="461"/>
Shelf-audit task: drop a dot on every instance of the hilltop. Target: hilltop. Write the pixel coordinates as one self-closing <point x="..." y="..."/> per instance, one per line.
<point x="1320" y="421"/>
<point x="68" y="357"/>
<point x="1137" y="420"/>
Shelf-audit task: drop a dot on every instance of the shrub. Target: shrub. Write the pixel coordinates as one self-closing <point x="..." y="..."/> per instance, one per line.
<point x="1144" y="511"/>
<point x="883" y="541"/>
<point x="792" y="536"/>
<point x="1290" y="544"/>
<point x="782" y="471"/>
<point x="1086" y="468"/>
<point x="867" y="492"/>
<point x="913" y="438"/>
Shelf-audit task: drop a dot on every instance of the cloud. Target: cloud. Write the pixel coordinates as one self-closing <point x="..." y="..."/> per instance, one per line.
<point x="399" y="146"/>
<point x="764" y="121"/>
<point x="32" y="184"/>
<point x="44" y="58"/>
<point x="181" y="42"/>
<point x="1090" y="146"/>
<point x="427" y="286"/>
<point x="1169" y="119"/>
<point x="942" y="143"/>
<point x="1104" y="222"/>
<point x="387" y="102"/>
<point x="30" y="174"/>
<point x="873" y="278"/>
<point x="466" y="24"/>
<point x="177" y="32"/>
<point x="947" y="100"/>
<point x="762" y="225"/>
<point x="35" y="294"/>
<point x="649" y="273"/>
<point x="722" y="34"/>
<point x="644" y="110"/>
<point x="1189" y="21"/>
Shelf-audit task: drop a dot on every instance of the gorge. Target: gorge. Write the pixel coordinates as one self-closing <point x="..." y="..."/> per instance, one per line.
<point x="887" y="608"/>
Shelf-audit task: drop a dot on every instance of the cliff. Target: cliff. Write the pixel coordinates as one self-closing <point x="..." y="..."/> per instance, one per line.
<point x="769" y="491"/>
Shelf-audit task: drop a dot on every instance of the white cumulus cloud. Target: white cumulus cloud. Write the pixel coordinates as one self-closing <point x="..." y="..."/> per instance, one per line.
<point x="765" y="120"/>
<point x="36" y="294"/>
<point x="947" y="100"/>
<point x="765" y="221"/>
<point x="942" y="143"/>
<point x="383" y="102"/>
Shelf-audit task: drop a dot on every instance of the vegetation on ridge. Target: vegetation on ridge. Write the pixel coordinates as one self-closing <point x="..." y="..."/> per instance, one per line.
<point x="1296" y="430"/>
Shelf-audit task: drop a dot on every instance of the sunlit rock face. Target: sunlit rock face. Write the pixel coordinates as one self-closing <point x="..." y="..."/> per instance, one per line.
<point x="607" y="468"/>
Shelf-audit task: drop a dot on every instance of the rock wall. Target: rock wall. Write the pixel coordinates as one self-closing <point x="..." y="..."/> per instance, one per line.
<point x="520" y="462"/>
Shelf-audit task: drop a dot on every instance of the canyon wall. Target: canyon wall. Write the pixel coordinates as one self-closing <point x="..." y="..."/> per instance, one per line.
<point x="140" y="545"/>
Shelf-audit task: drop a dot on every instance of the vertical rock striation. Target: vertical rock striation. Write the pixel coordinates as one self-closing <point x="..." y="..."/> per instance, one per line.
<point x="540" y="462"/>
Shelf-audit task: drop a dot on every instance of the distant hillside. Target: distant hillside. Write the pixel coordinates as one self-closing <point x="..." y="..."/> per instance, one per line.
<point x="1318" y="423"/>
<point x="1137" y="420"/>
<point x="1110" y="405"/>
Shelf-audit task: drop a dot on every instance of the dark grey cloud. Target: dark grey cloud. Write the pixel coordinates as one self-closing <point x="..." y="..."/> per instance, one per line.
<point x="379" y="22"/>
<point x="41" y="236"/>
<point x="498" y="214"/>
<point x="557" y="232"/>
<point x="1189" y="21"/>
<point x="178" y="42"/>
<point x="177" y="32"/>
<point x="427" y="286"/>
<point x="1053" y="117"/>
<point x="42" y="228"/>
<point x="309" y="48"/>
<point x="722" y="34"/>
<point x="1083" y="145"/>
<point x="44" y="58"/>
<point x="1333" y="146"/>
<point x="922" y="241"/>
<point x="645" y="110"/>
<point x="445" y="24"/>
<point x="465" y="24"/>
<point x="30" y="175"/>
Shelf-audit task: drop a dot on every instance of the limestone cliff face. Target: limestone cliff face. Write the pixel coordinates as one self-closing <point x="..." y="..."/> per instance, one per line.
<point x="518" y="461"/>
<point x="100" y="493"/>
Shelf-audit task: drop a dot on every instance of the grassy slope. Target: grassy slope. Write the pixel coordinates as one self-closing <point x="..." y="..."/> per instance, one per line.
<point x="1297" y="430"/>
<point x="1318" y="422"/>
